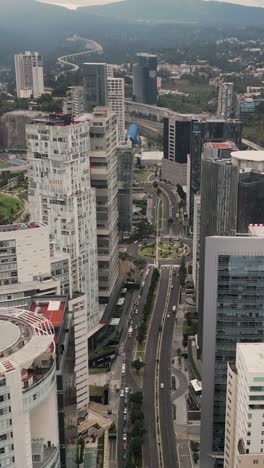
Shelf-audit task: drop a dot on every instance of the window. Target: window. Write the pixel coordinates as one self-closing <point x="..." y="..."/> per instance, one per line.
<point x="255" y="462"/>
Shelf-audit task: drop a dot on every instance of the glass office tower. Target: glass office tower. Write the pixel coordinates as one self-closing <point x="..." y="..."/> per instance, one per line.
<point x="233" y="313"/>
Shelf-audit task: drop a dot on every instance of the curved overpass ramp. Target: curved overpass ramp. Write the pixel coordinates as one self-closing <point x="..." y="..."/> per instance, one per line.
<point x="92" y="47"/>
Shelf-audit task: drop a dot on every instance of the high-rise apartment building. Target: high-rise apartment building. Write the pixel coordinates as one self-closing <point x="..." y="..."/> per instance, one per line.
<point x="233" y="313"/>
<point x="145" y="79"/>
<point x="207" y="131"/>
<point x="69" y="320"/>
<point x="95" y="85"/>
<point x="125" y="155"/>
<point x="60" y="195"/>
<point x="103" y="164"/>
<point x="26" y="268"/>
<point x="29" y="75"/>
<point x="176" y="142"/>
<point x="244" y="408"/>
<point x="116" y="102"/>
<point x="73" y="103"/>
<point x="28" y="393"/>
<point x="225" y="100"/>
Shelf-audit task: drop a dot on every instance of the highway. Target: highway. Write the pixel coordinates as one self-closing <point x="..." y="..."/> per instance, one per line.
<point x="150" y="450"/>
<point x="168" y="439"/>
<point x="91" y="47"/>
<point x="152" y="126"/>
<point x="126" y="349"/>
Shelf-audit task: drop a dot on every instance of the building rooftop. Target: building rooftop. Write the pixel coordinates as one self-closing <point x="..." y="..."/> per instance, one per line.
<point x="256" y="156"/>
<point x="256" y="230"/>
<point x="253" y="356"/>
<point x="53" y="310"/>
<point x="24" y="336"/>
<point x="225" y="145"/>
<point x="20" y="227"/>
<point x="145" y="54"/>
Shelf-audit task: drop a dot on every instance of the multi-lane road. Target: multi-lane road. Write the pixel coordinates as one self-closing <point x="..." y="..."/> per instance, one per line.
<point x="127" y="380"/>
<point x="159" y="448"/>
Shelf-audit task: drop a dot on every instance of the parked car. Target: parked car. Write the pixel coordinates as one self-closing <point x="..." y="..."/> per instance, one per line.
<point x="125" y="437"/>
<point x="122" y="393"/>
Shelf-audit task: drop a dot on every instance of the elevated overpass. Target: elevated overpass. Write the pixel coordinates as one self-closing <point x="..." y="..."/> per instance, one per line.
<point x="92" y="47"/>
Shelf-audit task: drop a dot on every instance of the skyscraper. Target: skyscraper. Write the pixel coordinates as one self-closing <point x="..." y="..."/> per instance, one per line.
<point x="176" y="142"/>
<point x="225" y="100"/>
<point x="103" y="163"/>
<point x="145" y="79"/>
<point x="205" y="131"/>
<point x="73" y="103"/>
<point x="28" y="395"/>
<point x="232" y="194"/>
<point x="116" y="101"/>
<point x="60" y="195"/>
<point x="95" y="85"/>
<point x="29" y="75"/>
<point x="244" y="408"/>
<point x="233" y="313"/>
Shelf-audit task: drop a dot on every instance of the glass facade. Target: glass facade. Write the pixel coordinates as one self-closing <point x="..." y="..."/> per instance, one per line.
<point x="240" y="318"/>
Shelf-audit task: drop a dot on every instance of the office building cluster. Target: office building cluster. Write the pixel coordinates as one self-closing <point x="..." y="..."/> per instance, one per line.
<point x="60" y="269"/>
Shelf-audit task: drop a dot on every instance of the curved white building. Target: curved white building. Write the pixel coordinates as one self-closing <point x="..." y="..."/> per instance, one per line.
<point x="29" y="435"/>
<point x="248" y="160"/>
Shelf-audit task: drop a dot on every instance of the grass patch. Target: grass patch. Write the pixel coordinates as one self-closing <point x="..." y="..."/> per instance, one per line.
<point x="192" y="364"/>
<point x="98" y="370"/>
<point x="190" y="328"/>
<point x="9" y="208"/>
<point x="96" y="391"/>
<point x="165" y="250"/>
<point x="4" y="164"/>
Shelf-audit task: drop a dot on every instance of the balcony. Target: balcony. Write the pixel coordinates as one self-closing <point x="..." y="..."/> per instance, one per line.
<point x="44" y="380"/>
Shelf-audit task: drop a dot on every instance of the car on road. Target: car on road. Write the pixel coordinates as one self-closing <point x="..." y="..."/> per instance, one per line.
<point x="162" y="385"/>
<point x="168" y="315"/>
<point x="125" y="437"/>
<point x="123" y="368"/>
<point x="122" y="393"/>
<point x="136" y="311"/>
<point x="125" y="410"/>
<point x="125" y="418"/>
<point x="126" y="390"/>
<point x="124" y="456"/>
<point x="172" y="286"/>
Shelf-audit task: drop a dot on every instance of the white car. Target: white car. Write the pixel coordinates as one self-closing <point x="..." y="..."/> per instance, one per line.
<point x="162" y="385"/>
<point x="122" y="394"/>
<point x="124" y="437"/>
<point x="126" y="390"/>
<point x="168" y="315"/>
<point x="136" y="311"/>
<point x="125" y="410"/>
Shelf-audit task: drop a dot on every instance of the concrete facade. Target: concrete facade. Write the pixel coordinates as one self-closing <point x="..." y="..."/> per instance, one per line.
<point x="29" y="75"/>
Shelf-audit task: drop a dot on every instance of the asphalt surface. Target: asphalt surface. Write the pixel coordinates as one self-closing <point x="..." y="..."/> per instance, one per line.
<point x="150" y="451"/>
<point x="173" y="201"/>
<point x="168" y="439"/>
<point x="126" y="350"/>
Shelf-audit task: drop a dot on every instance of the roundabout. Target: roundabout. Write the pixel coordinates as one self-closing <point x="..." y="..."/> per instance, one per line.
<point x="167" y="250"/>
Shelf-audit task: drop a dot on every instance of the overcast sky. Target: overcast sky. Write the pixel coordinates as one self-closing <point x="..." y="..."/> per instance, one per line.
<point x="256" y="3"/>
<point x="75" y="3"/>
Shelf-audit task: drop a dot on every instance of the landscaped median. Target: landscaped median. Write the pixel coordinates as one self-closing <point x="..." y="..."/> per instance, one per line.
<point x="139" y="351"/>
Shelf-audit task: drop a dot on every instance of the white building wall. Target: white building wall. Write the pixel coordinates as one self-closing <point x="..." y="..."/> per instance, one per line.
<point x="47" y="413"/>
<point x="29" y="75"/>
<point x="32" y="251"/>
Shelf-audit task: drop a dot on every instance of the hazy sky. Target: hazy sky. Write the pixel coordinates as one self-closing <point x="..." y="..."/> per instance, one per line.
<point x="73" y="4"/>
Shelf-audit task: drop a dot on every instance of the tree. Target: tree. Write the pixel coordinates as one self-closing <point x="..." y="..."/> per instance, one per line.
<point x="138" y="429"/>
<point x="136" y="414"/>
<point x="137" y="398"/>
<point x="181" y="192"/>
<point x="137" y="364"/>
<point x="155" y="184"/>
<point x="182" y="272"/>
<point x="170" y="221"/>
<point x="136" y="446"/>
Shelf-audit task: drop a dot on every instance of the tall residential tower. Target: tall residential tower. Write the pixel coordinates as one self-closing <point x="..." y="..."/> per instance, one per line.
<point x="29" y="75"/>
<point x="60" y="195"/>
